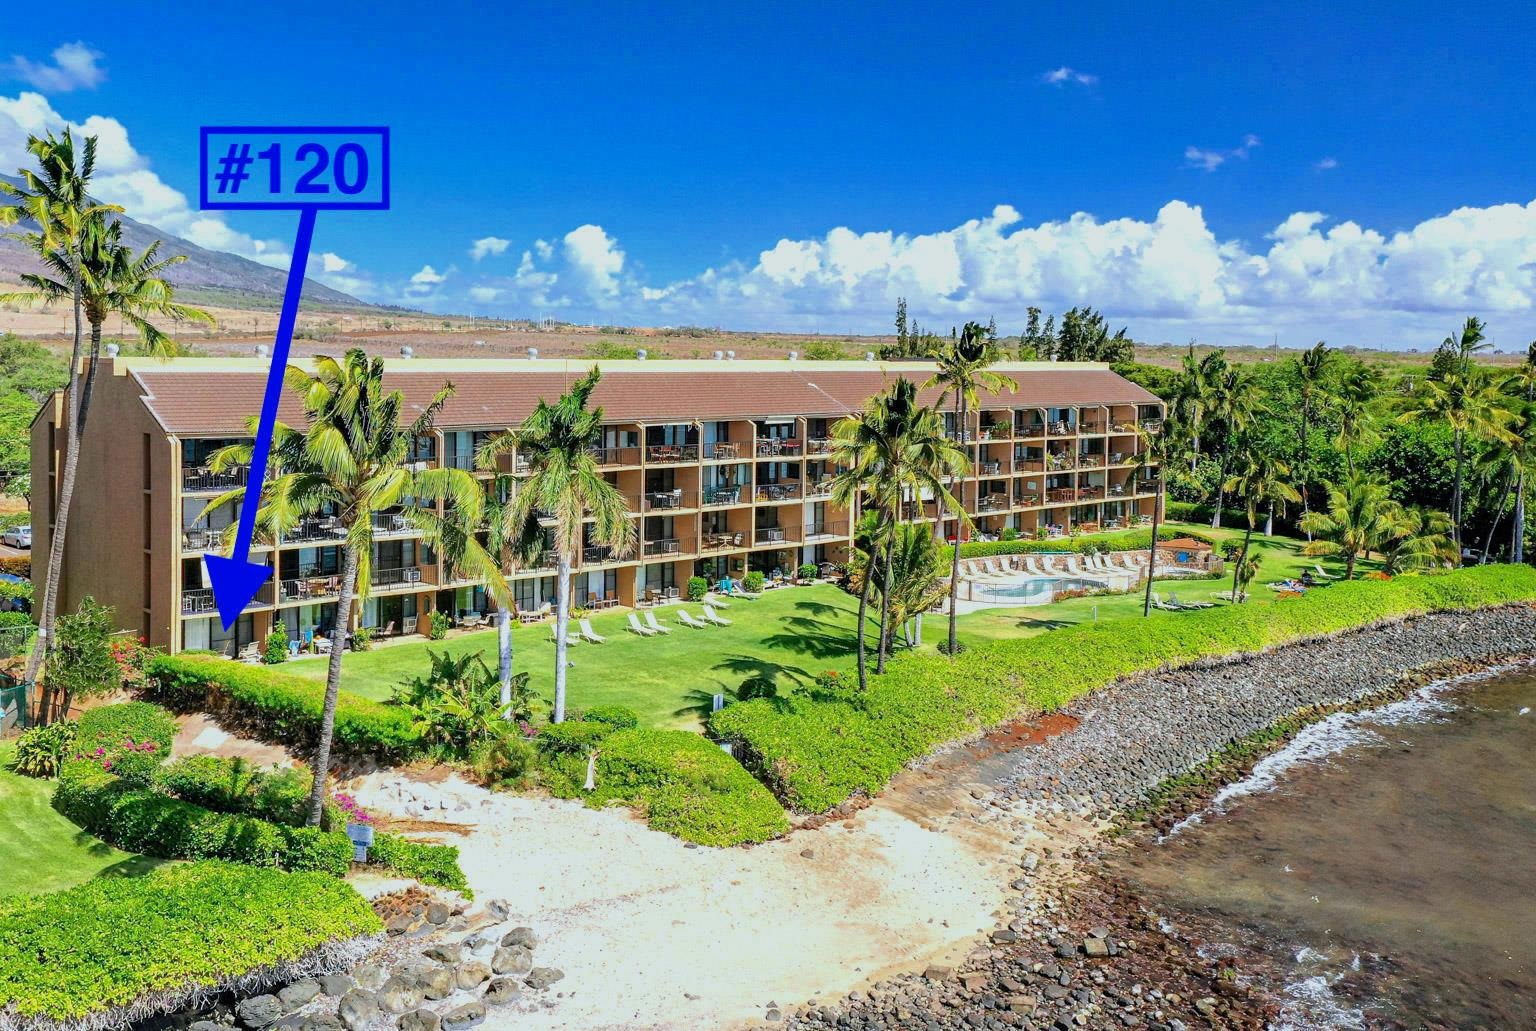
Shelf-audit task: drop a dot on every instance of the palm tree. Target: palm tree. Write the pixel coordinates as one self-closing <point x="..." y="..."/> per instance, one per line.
<point x="1313" y="369"/>
<point x="963" y="371"/>
<point x="55" y="198"/>
<point x="859" y="453"/>
<point x="1157" y="451"/>
<point x="1471" y="404"/>
<point x="564" y="486"/>
<point x="1236" y="403"/>
<point x="1195" y="396"/>
<point x="917" y="584"/>
<point x="1420" y="538"/>
<point x="352" y="460"/>
<point x="1522" y="385"/>
<point x="1260" y="480"/>
<point x="1361" y="517"/>
<point x="1355" y="400"/>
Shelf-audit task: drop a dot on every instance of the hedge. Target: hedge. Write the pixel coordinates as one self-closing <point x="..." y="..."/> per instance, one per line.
<point x="816" y="752"/>
<point x="264" y="703"/>
<point x="120" y="949"/>
<point x="138" y="819"/>
<point x="429" y="864"/>
<point x="235" y="786"/>
<point x="110" y="725"/>
<point x="685" y="785"/>
<point x="1121" y="540"/>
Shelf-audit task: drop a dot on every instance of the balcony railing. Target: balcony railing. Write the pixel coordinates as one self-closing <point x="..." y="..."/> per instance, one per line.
<point x="668" y="546"/>
<point x="1090" y="493"/>
<point x="1119" y="458"/>
<point x="1060" y="496"/>
<point x="1090" y="461"/>
<point x="989" y="468"/>
<point x="992" y="503"/>
<point x="1034" y="429"/>
<point x="997" y="431"/>
<point x="206" y="480"/>
<point x="825" y="530"/>
<point x="822" y="488"/>
<point x="309" y="588"/>
<point x="721" y="540"/>
<point x="776" y="447"/>
<point x="1124" y="426"/>
<point x="1061" y="429"/>
<point x="545" y="560"/>
<point x="664" y="453"/>
<point x="775" y="535"/>
<point x="818" y="446"/>
<point x="392" y="523"/>
<point x="1055" y="462"/>
<point x="723" y="450"/>
<point x="715" y="497"/>
<point x="1027" y="497"/>
<point x="195" y="538"/>
<point x="329" y="529"/>
<point x="459" y="460"/>
<point x="399" y="577"/>
<point x="593" y="554"/>
<point x="611" y="456"/>
<point x="667" y="500"/>
<point x="777" y="491"/>
<point x="1092" y="426"/>
<point x="1152" y="425"/>
<point x="198" y="600"/>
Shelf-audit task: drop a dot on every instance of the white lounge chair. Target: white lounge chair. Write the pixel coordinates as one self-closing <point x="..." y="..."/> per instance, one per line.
<point x="1323" y="573"/>
<point x="1072" y="564"/>
<point x="588" y="634"/>
<point x="1158" y="603"/>
<point x="1173" y="599"/>
<point x="686" y="618"/>
<point x="657" y="628"/>
<point x="570" y="636"/>
<point x="711" y="616"/>
<point x="1031" y="565"/>
<point x="636" y="627"/>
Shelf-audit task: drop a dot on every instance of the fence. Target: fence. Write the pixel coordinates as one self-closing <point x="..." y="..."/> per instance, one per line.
<point x="16" y="698"/>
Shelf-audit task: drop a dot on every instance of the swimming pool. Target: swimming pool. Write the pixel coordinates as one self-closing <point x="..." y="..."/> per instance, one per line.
<point x="1040" y="590"/>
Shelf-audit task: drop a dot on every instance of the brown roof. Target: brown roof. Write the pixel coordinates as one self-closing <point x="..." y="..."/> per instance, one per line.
<point x="199" y="399"/>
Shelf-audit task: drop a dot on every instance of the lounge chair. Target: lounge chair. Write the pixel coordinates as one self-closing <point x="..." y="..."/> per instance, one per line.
<point x="1323" y="574"/>
<point x="720" y="603"/>
<point x="1158" y="603"/>
<point x="650" y="621"/>
<point x="1173" y="599"/>
<point x="711" y="616"/>
<point x="588" y="634"/>
<point x="686" y="618"/>
<point x="636" y="627"/>
<point x="570" y="636"/>
<point x="1228" y="596"/>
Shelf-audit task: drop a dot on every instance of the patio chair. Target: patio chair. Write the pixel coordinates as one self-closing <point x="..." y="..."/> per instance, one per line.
<point x="636" y="627"/>
<point x="650" y="621"/>
<point x="1173" y="599"/>
<point x="250" y="653"/>
<point x="1323" y="574"/>
<point x="685" y="618"/>
<point x="588" y="634"/>
<point x="570" y="636"/>
<point x="1158" y="603"/>
<point x="710" y="616"/>
<point x="389" y="629"/>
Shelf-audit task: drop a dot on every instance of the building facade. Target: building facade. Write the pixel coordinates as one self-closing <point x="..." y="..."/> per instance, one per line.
<point x="725" y="466"/>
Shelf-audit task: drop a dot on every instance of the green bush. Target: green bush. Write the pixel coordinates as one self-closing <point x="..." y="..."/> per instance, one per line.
<point x="232" y="785"/>
<point x="42" y="751"/>
<point x="131" y="739"/>
<point x="16" y="565"/>
<point x="504" y="759"/>
<point x="275" y="706"/>
<point x="619" y="717"/>
<point x="136" y="819"/>
<point x="1121" y="540"/>
<point x="807" y="571"/>
<point x="684" y="784"/>
<point x="697" y="588"/>
<point x="429" y="864"/>
<point x="753" y="582"/>
<point x="11" y="619"/>
<point x="573" y="737"/>
<point x="815" y="751"/>
<point x="276" y="652"/>
<point x="437" y="625"/>
<point x="117" y="948"/>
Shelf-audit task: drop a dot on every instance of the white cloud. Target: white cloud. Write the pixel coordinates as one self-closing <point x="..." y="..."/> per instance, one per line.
<point x="595" y="259"/>
<point x="1068" y="76"/>
<point x="74" y="67"/>
<point x="487" y="246"/>
<point x="428" y="276"/>
<point x="485" y="294"/>
<point x="544" y="248"/>
<point x="1210" y="160"/>
<point x="1326" y="164"/>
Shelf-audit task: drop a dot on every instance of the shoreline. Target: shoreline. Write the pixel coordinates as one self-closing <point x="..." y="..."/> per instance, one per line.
<point x="1077" y="946"/>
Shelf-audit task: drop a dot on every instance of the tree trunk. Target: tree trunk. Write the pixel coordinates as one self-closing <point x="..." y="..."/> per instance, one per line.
<point x="1349" y="565"/>
<point x="1157" y="513"/>
<point x="954" y="562"/>
<point x="1306" y="507"/>
<point x="885" y="603"/>
<point x="504" y="658"/>
<point x="1221" y="490"/>
<point x="562" y="624"/>
<point x="1517" y="535"/>
<point x="1456" y="497"/>
<point x="90" y="374"/>
<point x="869" y="576"/>
<point x="1242" y="557"/>
<point x="1269" y="521"/>
<point x="48" y="605"/>
<point x="1498" y="516"/>
<point x="340" y="634"/>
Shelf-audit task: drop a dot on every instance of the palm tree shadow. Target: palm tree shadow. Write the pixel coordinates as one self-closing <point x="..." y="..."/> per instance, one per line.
<point x="1031" y="623"/>
<point x="134" y="866"/>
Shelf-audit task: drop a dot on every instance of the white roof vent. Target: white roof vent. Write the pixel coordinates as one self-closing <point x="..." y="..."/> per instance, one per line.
<point x="112" y="350"/>
<point x="407" y="352"/>
<point x="262" y="350"/>
<point x="533" y="353"/>
<point x="640" y="353"/>
<point x="793" y="355"/>
<point x="730" y="356"/>
<point x="869" y="356"/>
<point x="719" y="355"/>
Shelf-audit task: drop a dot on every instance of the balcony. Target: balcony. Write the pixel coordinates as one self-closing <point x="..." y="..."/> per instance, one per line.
<point x="1152" y="425"/>
<point x="1034" y="429"/>
<point x="668" y="546"/>
<point x="545" y="561"/>
<point x="819" y="446"/>
<point x="206" y="481"/>
<point x="997" y="431"/>
<point x="459" y="460"/>
<point x="763" y="535"/>
<point x="1092" y="427"/>
<point x="1061" y="429"/>
<point x="663" y="454"/>
<point x="1094" y="493"/>
<point x="1120" y="458"/>
<point x="392" y="524"/>
<point x="667" y="500"/>
<point x="1123" y="426"/>
<point x="779" y="447"/>
<point x="825" y="531"/>
<point x="1026" y="498"/>
<point x="608" y="457"/>
<point x="309" y="588"/>
<point x="401" y="577"/>
<point x="597" y="554"/>
<point x="324" y="529"/>
<point x="1055" y="463"/>
<point x="195" y="538"/>
<point x="197" y="601"/>
<point x="1090" y="461"/>
<point x="822" y="488"/>
<point x="723" y="451"/>
<point x="719" y="497"/>
<point x="722" y="540"/>
<point x="1061" y="496"/>
<point x="773" y="492"/>
<point x="989" y="468"/>
<point x="993" y="503"/>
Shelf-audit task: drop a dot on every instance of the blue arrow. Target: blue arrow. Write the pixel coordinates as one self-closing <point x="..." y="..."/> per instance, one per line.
<point x="235" y="580"/>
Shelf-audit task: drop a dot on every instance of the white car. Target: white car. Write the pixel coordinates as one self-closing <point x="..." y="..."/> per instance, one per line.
<point x="17" y="537"/>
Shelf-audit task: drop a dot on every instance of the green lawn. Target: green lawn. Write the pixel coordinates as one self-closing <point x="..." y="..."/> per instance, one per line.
<point x="41" y="850"/>
<point x="786" y="635"/>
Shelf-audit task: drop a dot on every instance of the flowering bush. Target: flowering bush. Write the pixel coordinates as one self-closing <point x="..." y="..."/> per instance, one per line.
<point x="354" y="810"/>
<point x="132" y="655"/>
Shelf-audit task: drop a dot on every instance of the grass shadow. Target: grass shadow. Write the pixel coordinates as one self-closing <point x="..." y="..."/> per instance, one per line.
<point x="135" y="866"/>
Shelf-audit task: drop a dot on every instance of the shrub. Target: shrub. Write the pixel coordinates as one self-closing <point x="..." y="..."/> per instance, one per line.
<point x="136" y="819"/>
<point x="232" y="785"/>
<point x="1008" y="534"/>
<point x="507" y="759"/>
<point x="815" y="750"/>
<point x="41" y="751"/>
<point x="117" y="949"/>
<point x="458" y="703"/>
<point x="129" y="740"/>
<point x="430" y="864"/>
<point x="10" y="619"/>
<point x="684" y="784"/>
<point x="275" y="706"/>
<point x="437" y="625"/>
<point x="619" y="717"/>
<point x="753" y="582"/>
<point x="697" y="588"/>
<point x="573" y="737"/>
<point x="276" y="652"/>
<point x="807" y="571"/>
<point x="361" y="638"/>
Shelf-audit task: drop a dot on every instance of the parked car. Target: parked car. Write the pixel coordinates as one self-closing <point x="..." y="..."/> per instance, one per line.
<point x="17" y="537"/>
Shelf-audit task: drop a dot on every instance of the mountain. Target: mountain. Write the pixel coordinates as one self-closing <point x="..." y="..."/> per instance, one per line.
<point x="206" y="277"/>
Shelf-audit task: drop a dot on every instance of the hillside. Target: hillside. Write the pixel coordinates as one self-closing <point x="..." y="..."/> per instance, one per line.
<point x="206" y="277"/>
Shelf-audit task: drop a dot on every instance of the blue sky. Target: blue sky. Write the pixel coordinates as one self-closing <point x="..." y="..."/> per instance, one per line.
<point x="1193" y="170"/>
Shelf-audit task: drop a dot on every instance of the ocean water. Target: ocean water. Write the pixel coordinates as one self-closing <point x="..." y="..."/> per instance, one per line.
<point x="1379" y="872"/>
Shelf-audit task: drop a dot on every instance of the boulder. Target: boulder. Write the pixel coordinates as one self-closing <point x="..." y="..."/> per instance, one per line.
<point x="502" y="991"/>
<point x="466" y="1016"/>
<point x="514" y="960"/>
<point x="260" y="1010"/>
<point x="358" y="1008"/>
<point x="419" y="1020"/>
<point x="299" y="994"/>
<point x="543" y="977"/>
<point x="400" y="993"/>
<point x="1096" y="947"/>
<point x="439" y="912"/>
<point x="336" y="985"/>
<point x="322" y="1022"/>
<point x="473" y="974"/>
<point x="437" y="983"/>
<point x="524" y="936"/>
<point x="445" y="953"/>
<point x="371" y="974"/>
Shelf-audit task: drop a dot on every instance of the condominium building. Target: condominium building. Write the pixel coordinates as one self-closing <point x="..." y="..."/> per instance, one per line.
<point x="725" y="465"/>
